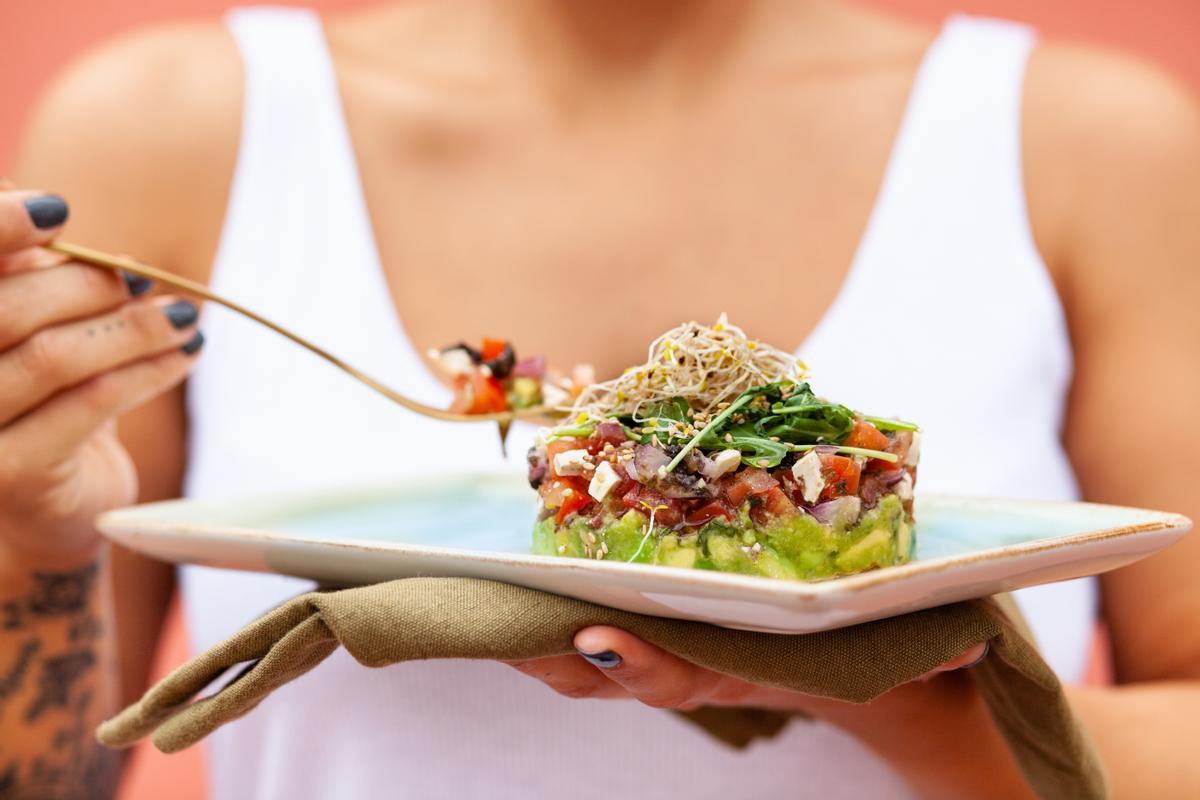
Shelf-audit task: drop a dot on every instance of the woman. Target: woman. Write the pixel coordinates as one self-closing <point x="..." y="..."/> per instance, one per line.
<point x="579" y="177"/>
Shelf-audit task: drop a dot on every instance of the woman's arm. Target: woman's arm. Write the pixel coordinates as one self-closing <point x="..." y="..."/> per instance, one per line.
<point x="1118" y="173"/>
<point x="141" y="137"/>
<point x="1113" y="171"/>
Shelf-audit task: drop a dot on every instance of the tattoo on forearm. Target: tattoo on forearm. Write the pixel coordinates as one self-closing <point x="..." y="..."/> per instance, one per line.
<point x="59" y="676"/>
<point x="14" y="677"/>
<point x="48" y="688"/>
<point x="55" y="594"/>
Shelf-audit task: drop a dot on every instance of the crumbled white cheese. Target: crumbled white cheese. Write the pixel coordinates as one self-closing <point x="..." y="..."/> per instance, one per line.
<point x="914" y="450"/>
<point x="453" y="362"/>
<point x="808" y="472"/>
<point x="724" y="462"/>
<point x="603" y="481"/>
<point x="553" y="396"/>
<point x="572" y="462"/>
<point x="904" y="487"/>
<point x="583" y="375"/>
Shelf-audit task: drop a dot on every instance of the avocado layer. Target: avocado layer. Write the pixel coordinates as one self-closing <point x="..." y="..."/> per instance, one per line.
<point x="797" y="547"/>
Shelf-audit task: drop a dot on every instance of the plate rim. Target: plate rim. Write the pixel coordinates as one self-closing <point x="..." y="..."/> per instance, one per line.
<point x="130" y="520"/>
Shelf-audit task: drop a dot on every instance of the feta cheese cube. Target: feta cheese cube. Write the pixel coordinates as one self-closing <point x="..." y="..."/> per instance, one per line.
<point x="904" y="488"/>
<point x="724" y="462"/>
<point x="603" y="481"/>
<point x="808" y="472"/>
<point x="453" y="362"/>
<point x="914" y="450"/>
<point x="572" y="462"/>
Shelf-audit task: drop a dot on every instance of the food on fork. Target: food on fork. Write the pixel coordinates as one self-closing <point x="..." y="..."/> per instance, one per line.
<point x="716" y="454"/>
<point x="491" y="379"/>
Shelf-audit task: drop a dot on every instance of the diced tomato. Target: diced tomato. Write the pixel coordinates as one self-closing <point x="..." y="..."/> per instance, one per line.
<point x="706" y="512"/>
<point x="898" y="446"/>
<point x="751" y="480"/>
<point x="777" y="503"/>
<point x="841" y="476"/>
<point x="492" y="348"/>
<point x="568" y="495"/>
<point x="867" y="436"/>
<point x="478" y="394"/>
<point x="666" y="511"/>
<point x="560" y="446"/>
<point x="572" y="502"/>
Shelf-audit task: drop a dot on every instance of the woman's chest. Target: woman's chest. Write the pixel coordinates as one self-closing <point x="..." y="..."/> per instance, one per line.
<point x="584" y="239"/>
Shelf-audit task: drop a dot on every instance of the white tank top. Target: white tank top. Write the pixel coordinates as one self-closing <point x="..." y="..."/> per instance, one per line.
<point x="983" y="362"/>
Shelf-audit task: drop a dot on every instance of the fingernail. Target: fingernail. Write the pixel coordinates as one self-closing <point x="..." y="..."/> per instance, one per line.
<point x="47" y="211"/>
<point x="195" y="344"/>
<point x="605" y="660"/>
<point x="987" y="648"/>
<point x="182" y="313"/>
<point x="137" y="284"/>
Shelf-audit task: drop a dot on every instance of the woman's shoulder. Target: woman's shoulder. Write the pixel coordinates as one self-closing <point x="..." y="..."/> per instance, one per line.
<point x="1100" y="129"/>
<point x="141" y="133"/>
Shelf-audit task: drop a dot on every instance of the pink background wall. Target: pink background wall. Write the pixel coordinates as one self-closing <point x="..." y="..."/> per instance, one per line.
<point x="39" y="37"/>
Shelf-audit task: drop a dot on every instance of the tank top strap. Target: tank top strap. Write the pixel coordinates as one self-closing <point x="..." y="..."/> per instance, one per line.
<point x="962" y="130"/>
<point x="297" y="230"/>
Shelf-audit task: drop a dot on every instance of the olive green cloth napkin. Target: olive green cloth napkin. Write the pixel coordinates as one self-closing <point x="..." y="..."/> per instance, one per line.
<point x="422" y="618"/>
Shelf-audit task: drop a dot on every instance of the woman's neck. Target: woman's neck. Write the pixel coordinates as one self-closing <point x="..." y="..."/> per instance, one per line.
<point x="608" y="42"/>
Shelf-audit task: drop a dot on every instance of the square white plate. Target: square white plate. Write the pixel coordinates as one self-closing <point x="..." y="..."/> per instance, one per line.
<point x="480" y="526"/>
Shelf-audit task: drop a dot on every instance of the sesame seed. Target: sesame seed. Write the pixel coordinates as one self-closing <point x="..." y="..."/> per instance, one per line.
<point x="604" y="548"/>
<point x="774" y="438"/>
<point x="728" y="438"/>
<point x="763" y="462"/>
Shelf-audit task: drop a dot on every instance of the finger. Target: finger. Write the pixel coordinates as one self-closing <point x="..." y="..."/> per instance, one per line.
<point x="29" y="218"/>
<point x="650" y="674"/>
<point x="570" y="676"/>
<point x="967" y="660"/>
<point x="51" y="434"/>
<point x="31" y="301"/>
<point x="30" y="258"/>
<point x="59" y="357"/>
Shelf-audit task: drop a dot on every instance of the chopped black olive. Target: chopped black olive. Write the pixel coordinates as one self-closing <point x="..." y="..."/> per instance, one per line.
<point x="502" y="364"/>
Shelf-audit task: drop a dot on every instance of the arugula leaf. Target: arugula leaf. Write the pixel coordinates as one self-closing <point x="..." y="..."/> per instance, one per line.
<point x="804" y="418"/>
<point x="755" y="448"/>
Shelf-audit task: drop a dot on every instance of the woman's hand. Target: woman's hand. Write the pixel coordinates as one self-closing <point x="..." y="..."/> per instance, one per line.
<point x="615" y="664"/>
<point x="913" y="727"/>
<point x="78" y="347"/>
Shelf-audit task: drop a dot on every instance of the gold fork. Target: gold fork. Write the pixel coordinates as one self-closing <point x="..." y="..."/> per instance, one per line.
<point x="99" y="259"/>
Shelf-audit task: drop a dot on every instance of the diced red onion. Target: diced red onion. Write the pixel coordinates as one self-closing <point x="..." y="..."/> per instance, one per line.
<point x="648" y="459"/>
<point x="532" y="367"/>
<point x="839" y="512"/>
<point x="611" y="432"/>
<point x="892" y="477"/>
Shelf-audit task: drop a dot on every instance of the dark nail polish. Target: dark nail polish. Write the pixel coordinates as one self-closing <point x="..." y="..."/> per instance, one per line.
<point x="137" y="284"/>
<point x="195" y="344"/>
<point x="605" y="660"/>
<point x="47" y="211"/>
<point x="182" y="314"/>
